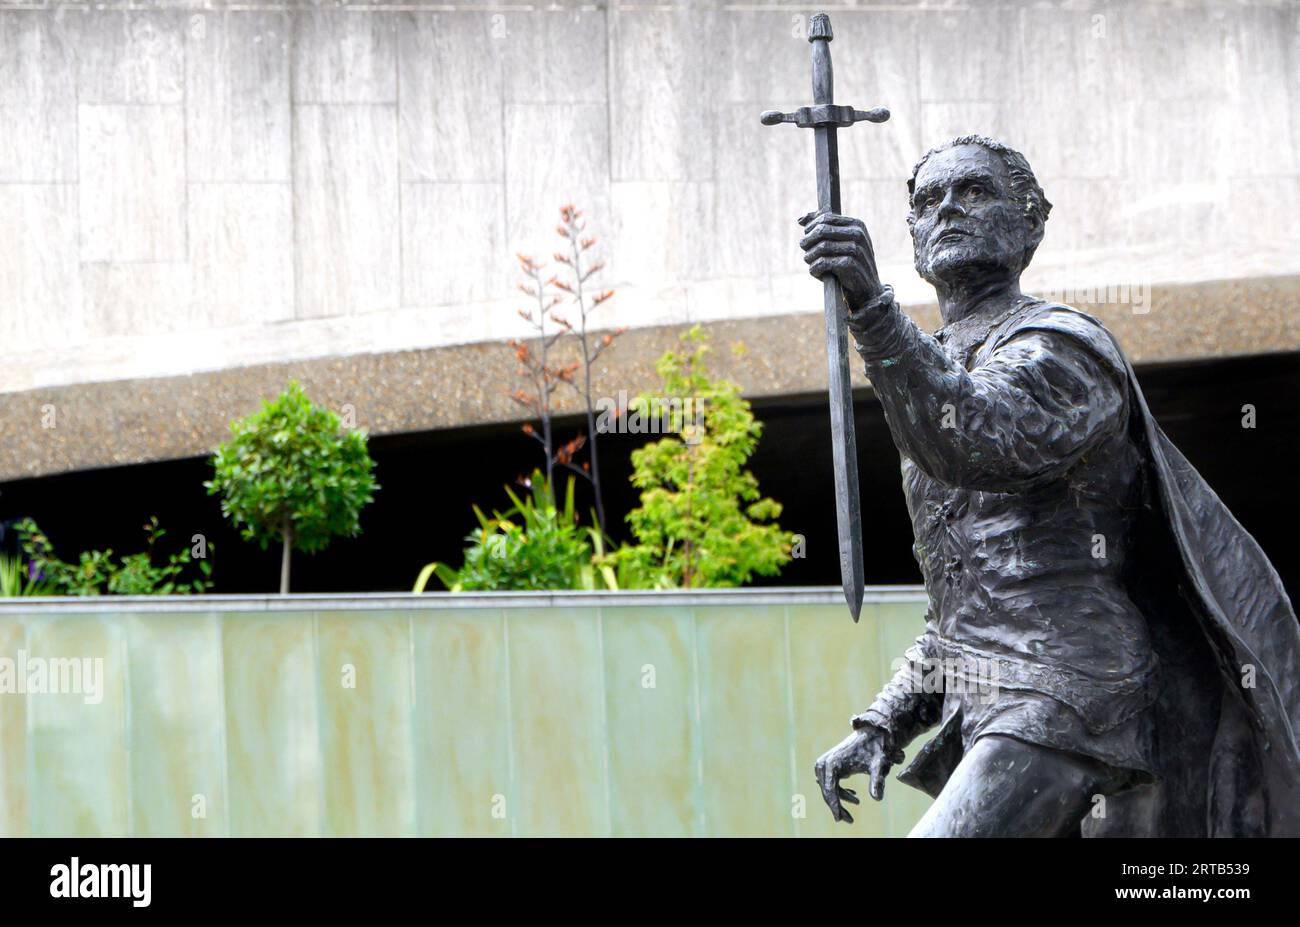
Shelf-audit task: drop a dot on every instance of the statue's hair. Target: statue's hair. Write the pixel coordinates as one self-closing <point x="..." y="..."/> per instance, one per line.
<point x="1024" y="185"/>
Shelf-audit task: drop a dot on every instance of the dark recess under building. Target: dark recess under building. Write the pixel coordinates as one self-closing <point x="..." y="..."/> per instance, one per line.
<point x="429" y="480"/>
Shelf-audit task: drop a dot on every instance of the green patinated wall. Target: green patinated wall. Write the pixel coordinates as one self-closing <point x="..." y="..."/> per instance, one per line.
<point x="541" y="712"/>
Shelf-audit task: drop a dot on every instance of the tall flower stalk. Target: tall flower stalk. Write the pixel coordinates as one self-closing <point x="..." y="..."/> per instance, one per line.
<point x="534" y="358"/>
<point x="572" y="229"/>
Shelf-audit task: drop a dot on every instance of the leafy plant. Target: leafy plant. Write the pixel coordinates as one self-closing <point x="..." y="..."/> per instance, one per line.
<point x="290" y="474"/>
<point x="17" y="579"/>
<point x="546" y="548"/>
<point x="91" y="574"/>
<point x="702" y="520"/>
<point x="139" y="576"/>
<point x="96" y="573"/>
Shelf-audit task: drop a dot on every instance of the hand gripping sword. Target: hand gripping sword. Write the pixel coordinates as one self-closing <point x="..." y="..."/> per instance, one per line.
<point x="824" y="118"/>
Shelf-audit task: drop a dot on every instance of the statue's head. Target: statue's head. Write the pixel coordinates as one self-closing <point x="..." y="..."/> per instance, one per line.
<point x="977" y="209"/>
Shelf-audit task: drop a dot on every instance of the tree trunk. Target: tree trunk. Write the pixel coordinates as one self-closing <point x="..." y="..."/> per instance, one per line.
<point x="287" y="534"/>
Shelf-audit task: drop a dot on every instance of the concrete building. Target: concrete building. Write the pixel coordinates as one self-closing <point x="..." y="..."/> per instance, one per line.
<point x="198" y="203"/>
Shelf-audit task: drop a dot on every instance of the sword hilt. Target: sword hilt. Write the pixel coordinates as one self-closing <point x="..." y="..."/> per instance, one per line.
<point x="823" y="76"/>
<point x="823" y="114"/>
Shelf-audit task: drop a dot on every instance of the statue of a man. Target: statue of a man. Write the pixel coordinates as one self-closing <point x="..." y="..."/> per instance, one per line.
<point x="1143" y="659"/>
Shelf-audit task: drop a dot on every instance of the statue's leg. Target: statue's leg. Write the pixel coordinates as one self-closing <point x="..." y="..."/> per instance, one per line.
<point x="1005" y="787"/>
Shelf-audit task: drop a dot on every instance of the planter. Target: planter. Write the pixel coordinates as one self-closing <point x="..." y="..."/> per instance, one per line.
<point x="480" y="713"/>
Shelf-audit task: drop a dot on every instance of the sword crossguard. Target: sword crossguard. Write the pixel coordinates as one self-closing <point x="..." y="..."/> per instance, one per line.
<point x="827" y="114"/>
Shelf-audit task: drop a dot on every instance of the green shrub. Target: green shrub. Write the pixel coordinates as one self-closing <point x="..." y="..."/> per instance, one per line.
<point x="96" y="573"/>
<point x="701" y="521"/>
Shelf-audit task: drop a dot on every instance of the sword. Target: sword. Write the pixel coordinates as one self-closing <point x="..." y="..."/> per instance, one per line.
<point x="824" y="118"/>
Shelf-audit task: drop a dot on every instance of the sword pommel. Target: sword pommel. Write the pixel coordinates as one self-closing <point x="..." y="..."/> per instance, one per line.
<point x="819" y="27"/>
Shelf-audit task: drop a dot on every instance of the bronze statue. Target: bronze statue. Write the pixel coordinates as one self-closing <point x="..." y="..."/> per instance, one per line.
<point x="1144" y="657"/>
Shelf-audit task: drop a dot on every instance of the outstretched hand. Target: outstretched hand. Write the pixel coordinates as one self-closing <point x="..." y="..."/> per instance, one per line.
<point x="863" y="751"/>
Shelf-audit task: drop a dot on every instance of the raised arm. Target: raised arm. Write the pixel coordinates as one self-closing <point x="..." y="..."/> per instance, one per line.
<point x="1038" y="404"/>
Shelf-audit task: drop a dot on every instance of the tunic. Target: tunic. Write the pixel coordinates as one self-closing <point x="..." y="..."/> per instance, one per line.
<point x="1023" y="483"/>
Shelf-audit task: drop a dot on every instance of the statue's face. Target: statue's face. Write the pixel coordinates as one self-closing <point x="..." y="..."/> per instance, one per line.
<point x="966" y="222"/>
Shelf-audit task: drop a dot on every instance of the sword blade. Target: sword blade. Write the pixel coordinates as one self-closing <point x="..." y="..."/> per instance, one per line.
<point x="844" y="444"/>
<point x="844" y="449"/>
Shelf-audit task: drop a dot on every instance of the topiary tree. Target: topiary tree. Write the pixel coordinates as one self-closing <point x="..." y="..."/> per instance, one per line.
<point x="702" y="521"/>
<point x="290" y="473"/>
